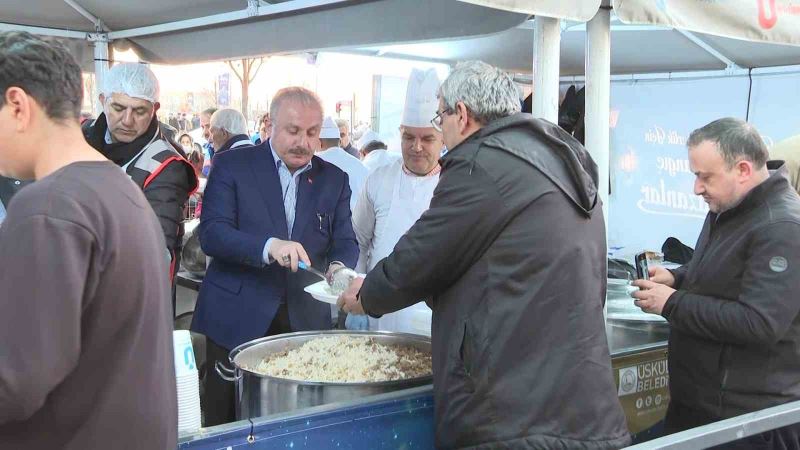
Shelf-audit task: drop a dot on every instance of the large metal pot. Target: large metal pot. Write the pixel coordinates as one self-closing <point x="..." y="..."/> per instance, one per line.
<point x="261" y="395"/>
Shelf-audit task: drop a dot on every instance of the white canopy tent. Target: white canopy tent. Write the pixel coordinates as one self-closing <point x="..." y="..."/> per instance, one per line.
<point x="180" y="32"/>
<point x="649" y="36"/>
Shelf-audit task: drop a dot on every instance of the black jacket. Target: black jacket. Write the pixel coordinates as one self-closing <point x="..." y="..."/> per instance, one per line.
<point x="734" y="344"/>
<point x="352" y="150"/>
<point x="168" y="191"/>
<point x="9" y="187"/>
<point x="512" y="255"/>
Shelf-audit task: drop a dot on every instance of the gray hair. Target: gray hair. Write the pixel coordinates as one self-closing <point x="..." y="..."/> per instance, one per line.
<point x="209" y="112"/>
<point x="132" y="79"/>
<point x="487" y="92"/>
<point x="293" y="94"/>
<point x="342" y="123"/>
<point x="45" y="70"/>
<point x="230" y="120"/>
<point x="735" y="139"/>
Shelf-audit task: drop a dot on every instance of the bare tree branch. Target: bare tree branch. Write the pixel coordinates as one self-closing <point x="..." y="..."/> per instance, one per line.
<point x="235" y="72"/>
<point x="260" y="63"/>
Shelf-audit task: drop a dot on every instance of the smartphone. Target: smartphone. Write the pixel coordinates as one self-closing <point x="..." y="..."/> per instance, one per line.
<point x="642" y="266"/>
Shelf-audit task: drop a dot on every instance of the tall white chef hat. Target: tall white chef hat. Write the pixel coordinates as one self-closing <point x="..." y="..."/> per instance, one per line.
<point x="329" y="129"/>
<point x="421" y="102"/>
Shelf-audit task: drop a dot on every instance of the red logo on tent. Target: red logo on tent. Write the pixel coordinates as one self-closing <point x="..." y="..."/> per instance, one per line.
<point x="767" y="14"/>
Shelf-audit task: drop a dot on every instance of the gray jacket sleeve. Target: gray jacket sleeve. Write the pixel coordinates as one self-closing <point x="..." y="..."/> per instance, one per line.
<point x="767" y="305"/>
<point x="464" y="218"/>
<point x="45" y="263"/>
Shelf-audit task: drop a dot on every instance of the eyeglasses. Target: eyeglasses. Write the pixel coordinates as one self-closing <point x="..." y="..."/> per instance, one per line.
<point x="437" y="119"/>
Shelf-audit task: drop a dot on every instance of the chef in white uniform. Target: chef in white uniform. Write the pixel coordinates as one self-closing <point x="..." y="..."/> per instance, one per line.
<point x="395" y="196"/>
<point x="376" y="158"/>
<point x="331" y="152"/>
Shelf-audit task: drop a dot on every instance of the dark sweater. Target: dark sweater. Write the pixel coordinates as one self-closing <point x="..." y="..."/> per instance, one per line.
<point x="86" y="358"/>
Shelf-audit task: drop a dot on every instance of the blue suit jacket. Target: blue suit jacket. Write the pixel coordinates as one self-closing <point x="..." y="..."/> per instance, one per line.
<point x="242" y="208"/>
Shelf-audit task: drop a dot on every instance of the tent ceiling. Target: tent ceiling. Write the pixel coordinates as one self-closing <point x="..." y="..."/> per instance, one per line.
<point x="123" y="15"/>
<point x="316" y="25"/>
<point x="116" y="14"/>
<point x="44" y="13"/>
<point x="634" y="49"/>
<point x="754" y="54"/>
<point x="627" y="52"/>
<point x="580" y="10"/>
<point x="771" y="21"/>
<point x="385" y="27"/>
<point x="385" y="21"/>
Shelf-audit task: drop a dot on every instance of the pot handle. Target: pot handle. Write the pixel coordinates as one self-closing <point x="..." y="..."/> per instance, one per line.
<point x="226" y="373"/>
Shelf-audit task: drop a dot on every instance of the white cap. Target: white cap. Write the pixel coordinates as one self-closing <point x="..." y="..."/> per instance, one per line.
<point x="368" y="137"/>
<point x="329" y="129"/>
<point x="132" y="79"/>
<point x="421" y="102"/>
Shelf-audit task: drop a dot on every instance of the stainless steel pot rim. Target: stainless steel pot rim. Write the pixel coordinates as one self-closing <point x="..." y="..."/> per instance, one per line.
<point x="247" y="345"/>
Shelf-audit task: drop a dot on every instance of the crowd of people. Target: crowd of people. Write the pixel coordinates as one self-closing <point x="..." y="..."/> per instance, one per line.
<point x="488" y="222"/>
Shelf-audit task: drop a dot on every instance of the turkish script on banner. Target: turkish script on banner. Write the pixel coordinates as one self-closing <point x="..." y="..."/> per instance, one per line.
<point x="580" y="10"/>
<point x="652" y="194"/>
<point x="773" y="21"/>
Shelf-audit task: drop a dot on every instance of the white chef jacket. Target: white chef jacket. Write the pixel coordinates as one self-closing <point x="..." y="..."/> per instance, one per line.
<point x="356" y="171"/>
<point x="390" y="203"/>
<point x="379" y="158"/>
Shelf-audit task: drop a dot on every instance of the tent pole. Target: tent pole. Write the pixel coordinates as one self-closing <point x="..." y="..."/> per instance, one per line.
<point x="546" y="59"/>
<point x="102" y="49"/>
<point x="598" y="94"/>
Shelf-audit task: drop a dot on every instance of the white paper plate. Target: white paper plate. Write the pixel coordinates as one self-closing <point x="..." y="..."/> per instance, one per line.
<point x="636" y="317"/>
<point x="618" y="282"/>
<point x="318" y="291"/>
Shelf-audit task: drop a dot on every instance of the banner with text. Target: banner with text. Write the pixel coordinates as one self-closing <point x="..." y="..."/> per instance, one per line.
<point x="652" y="185"/>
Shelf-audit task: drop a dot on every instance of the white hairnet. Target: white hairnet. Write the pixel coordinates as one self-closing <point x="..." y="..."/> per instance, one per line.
<point x="132" y="79"/>
<point x="230" y="120"/>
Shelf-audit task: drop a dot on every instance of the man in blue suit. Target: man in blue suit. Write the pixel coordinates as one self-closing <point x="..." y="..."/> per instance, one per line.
<point x="266" y="208"/>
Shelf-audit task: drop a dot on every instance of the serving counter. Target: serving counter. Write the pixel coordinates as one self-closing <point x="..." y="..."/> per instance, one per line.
<point x="404" y="419"/>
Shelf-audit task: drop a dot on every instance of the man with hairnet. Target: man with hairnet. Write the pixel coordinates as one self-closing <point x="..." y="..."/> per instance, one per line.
<point x="128" y="133"/>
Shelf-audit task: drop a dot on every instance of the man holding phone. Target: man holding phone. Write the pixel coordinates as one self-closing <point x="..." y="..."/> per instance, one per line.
<point x="733" y="310"/>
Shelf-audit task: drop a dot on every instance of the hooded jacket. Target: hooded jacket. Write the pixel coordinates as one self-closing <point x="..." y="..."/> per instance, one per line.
<point x="511" y="256"/>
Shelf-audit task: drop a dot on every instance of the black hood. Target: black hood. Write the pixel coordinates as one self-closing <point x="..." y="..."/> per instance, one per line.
<point x="119" y="152"/>
<point x="553" y="151"/>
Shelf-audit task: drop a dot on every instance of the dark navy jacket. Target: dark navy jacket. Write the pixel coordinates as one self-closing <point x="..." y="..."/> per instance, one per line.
<point x="242" y="208"/>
